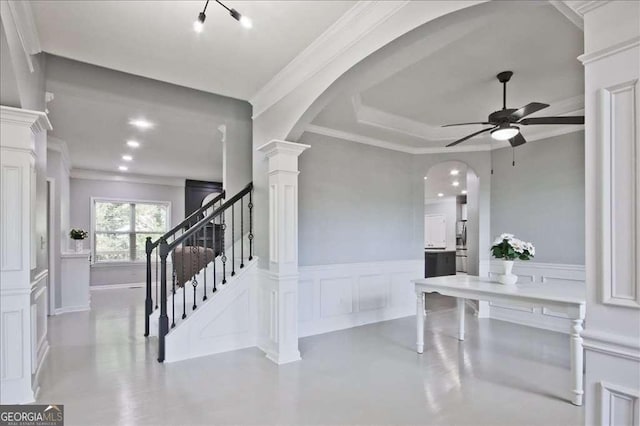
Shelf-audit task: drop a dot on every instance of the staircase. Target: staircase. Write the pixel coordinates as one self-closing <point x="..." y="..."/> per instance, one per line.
<point x="200" y="284"/>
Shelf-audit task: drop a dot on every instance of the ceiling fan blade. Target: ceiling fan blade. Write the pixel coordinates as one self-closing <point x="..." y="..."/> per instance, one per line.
<point x="578" y="119"/>
<point x="470" y="136"/>
<point x="464" y="124"/>
<point x="526" y="110"/>
<point x="517" y="140"/>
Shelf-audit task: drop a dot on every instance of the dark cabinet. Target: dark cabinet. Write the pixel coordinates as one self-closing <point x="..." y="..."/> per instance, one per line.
<point x="439" y="263"/>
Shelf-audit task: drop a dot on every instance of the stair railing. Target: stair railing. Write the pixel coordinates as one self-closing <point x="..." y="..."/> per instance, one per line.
<point x="192" y="251"/>
<point x="171" y="235"/>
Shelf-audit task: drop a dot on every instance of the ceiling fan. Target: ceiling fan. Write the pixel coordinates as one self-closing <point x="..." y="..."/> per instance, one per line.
<point x="505" y="122"/>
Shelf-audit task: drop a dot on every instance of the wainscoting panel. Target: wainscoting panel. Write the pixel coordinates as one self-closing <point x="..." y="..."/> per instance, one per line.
<point x="532" y="273"/>
<point x="340" y="296"/>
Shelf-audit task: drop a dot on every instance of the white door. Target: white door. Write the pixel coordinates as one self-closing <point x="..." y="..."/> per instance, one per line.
<point x="435" y="231"/>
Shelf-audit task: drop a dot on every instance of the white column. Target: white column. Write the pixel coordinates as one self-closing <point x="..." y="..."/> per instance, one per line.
<point x="612" y="212"/>
<point x="18" y="130"/>
<point x="279" y="291"/>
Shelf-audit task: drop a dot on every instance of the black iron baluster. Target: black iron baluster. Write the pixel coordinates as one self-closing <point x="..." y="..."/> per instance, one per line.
<point x="184" y="286"/>
<point x="250" y="225"/>
<point x="233" y="239"/>
<point x="242" y="232"/>
<point x="215" y="254"/>
<point x="204" y="235"/>
<point x="163" y="323"/>
<point x="173" y="289"/>
<point x="195" y="262"/>
<point x="148" y="303"/>
<point x="157" y="263"/>
<point x="223" y="258"/>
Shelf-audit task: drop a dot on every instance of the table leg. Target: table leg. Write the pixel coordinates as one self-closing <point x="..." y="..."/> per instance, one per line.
<point x="460" y="302"/>
<point x="577" y="361"/>
<point x="420" y="321"/>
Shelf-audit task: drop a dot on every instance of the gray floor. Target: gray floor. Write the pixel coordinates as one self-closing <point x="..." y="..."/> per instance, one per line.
<point x="104" y="371"/>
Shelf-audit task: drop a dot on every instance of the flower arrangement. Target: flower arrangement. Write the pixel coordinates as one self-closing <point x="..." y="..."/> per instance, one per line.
<point x="78" y="234"/>
<point x="507" y="247"/>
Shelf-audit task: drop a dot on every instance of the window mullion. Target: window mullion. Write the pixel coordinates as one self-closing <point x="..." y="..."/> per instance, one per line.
<point x="132" y="233"/>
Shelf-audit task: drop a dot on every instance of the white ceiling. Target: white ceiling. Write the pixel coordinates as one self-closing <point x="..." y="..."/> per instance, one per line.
<point x="439" y="180"/>
<point x="456" y="82"/>
<point x="155" y="39"/>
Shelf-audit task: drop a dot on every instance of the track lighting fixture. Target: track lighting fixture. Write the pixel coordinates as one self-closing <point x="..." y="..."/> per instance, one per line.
<point x="198" y="25"/>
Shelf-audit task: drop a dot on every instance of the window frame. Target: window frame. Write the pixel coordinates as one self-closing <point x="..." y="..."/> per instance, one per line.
<point x="132" y="234"/>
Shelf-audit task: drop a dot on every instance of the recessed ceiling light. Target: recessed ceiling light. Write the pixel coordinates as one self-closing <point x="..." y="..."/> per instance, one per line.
<point x="455" y="183"/>
<point x="133" y="144"/>
<point x="440" y="194"/>
<point x="454" y="172"/>
<point x="141" y="123"/>
<point x="123" y="168"/>
<point x="425" y="178"/>
<point x="464" y="191"/>
<point x="127" y="158"/>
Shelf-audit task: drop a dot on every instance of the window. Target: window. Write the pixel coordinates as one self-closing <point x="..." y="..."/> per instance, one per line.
<point x="121" y="228"/>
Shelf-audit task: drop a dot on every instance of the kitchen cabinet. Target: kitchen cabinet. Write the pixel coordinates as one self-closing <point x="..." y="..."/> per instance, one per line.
<point x="435" y="231"/>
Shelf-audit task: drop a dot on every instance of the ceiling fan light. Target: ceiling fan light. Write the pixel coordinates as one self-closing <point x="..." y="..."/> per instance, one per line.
<point x="504" y="133"/>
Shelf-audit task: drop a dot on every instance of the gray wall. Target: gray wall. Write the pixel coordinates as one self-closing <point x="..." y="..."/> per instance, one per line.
<point x="355" y="203"/>
<point x="541" y="199"/>
<point x="81" y="192"/>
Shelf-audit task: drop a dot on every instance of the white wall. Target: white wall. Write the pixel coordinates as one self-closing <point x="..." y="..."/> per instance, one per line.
<point x="541" y="199"/>
<point x="81" y="192"/>
<point x="446" y="207"/>
<point x="612" y="194"/>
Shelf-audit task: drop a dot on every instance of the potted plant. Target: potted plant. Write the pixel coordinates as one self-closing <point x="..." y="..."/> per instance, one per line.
<point x="78" y="235"/>
<point x="508" y="248"/>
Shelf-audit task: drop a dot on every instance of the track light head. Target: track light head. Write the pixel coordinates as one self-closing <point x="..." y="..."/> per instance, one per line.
<point x="198" y="25"/>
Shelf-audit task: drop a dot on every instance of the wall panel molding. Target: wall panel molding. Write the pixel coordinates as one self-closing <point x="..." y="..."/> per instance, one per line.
<point x="620" y="155"/>
<point x="341" y="296"/>
<point x="618" y="405"/>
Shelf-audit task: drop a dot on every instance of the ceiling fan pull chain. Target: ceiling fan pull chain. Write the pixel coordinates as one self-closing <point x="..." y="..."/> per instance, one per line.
<point x="513" y="150"/>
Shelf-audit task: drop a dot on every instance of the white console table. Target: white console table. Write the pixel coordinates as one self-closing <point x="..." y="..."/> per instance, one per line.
<point x="75" y="276"/>
<point x="569" y="299"/>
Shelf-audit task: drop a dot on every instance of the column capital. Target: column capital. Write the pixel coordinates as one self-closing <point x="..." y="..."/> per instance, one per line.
<point x="276" y="147"/>
<point x="36" y="121"/>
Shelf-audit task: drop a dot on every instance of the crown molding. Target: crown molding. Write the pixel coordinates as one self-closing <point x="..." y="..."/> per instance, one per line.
<point x="366" y="140"/>
<point x="355" y="24"/>
<point x="36" y="121"/>
<point x="18" y="16"/>
<point x="571" y="14"/>
<point x="582" y="7"/>
<point x="610" y="50"/>
<point x="60" y="146"/>
<point x="128" y="177"/>
<point x="380" y="143"/>
<point x="371" y="116"/>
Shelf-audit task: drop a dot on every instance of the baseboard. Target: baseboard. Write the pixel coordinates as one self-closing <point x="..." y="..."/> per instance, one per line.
<point x="117" y="286"/>
<point x="71" y="309"/>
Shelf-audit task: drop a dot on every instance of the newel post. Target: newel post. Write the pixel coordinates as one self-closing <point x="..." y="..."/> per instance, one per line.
<point x="279" y="338"/>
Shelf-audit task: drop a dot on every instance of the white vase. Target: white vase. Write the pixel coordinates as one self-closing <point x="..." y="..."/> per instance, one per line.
<point x="507" y="278"/>
<point x="79" y="245"/>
